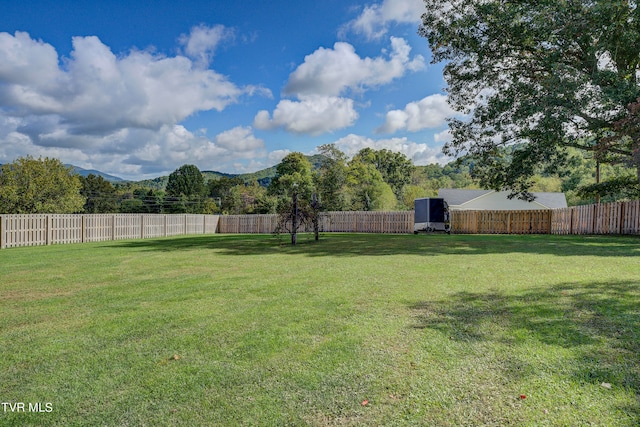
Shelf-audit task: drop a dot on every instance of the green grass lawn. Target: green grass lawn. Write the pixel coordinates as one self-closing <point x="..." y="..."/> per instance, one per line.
<point x="426" y="330"/>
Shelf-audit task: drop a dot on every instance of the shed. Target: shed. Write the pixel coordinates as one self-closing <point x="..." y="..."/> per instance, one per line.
<point x="498" y="200"/>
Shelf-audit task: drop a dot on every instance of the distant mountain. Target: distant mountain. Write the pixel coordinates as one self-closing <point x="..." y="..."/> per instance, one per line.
<point x="216" y="175"/>
<point x="86" y="172"/>
<point x="263" y="176"/>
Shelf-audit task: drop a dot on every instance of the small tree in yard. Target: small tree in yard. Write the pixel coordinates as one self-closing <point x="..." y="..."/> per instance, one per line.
<point x="293" y="185"/>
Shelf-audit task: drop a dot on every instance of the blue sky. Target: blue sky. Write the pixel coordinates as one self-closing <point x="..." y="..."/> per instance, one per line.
<point x="138" y="88"/>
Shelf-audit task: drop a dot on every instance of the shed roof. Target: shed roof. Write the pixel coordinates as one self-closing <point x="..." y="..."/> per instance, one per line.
<point x="457" y="197"/>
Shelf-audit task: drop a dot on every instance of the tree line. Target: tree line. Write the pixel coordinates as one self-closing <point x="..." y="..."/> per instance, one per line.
<point x="371" y="180"/>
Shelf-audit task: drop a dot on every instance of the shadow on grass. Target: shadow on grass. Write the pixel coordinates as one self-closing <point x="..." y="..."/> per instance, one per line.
<point x="338" y="244"/>
<point x="598" y="322"/>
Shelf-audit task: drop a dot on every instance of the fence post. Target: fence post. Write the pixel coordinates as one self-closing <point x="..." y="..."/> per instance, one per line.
<point x="82" y="228"/>
<point x="571" y="210"/>
<point x="113" y="226"/>
<point x="2" y="228"/>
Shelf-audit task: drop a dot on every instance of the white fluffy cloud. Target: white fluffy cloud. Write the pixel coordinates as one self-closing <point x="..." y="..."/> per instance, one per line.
<point x="98" y="108"/>
<point x="420" y="154"/>
<point x="239" y="139"/>
<point x="99" y="93"/>
<point x="330" y="72"/>
<point x="374" y="20"/>
<point x="312" y="115"/>
<point x="443" y="137"/>
<point x="428" y="113"/>
<point x="162" y="151"/>
<point x="276" y="156"/>
<point x="175" y="145"/>
<point x="324" y="76"/>
<point x="202" y="41"/>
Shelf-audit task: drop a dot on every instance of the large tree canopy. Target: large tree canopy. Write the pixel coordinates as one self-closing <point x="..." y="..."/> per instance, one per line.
<point x="185" y="190"/>
<point x="100" y="195"/>
<point x="331" y="179"/>
<point x="187" y="180"/>
<point x="545" y="74"/>
<point x="31" y="185"/>
<point x="396" y="169"/>
<point x="366" y="189"/>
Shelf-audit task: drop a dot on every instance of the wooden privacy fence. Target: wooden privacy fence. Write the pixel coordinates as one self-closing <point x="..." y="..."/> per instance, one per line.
<point x="330" y="222"/>
<point x="501" y="222"/>
<point x="607" y="218"/>
<point x="52" y="229"/>
<point x="369" y="222"/>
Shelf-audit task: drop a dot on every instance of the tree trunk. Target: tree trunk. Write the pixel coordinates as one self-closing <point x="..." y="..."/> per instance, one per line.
<point x="294" y="220"/>
<point x="598" y="180"/>
<point x="315" y="206"/>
